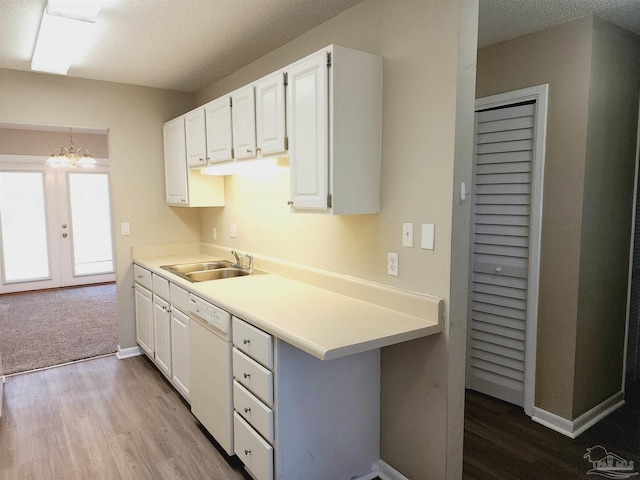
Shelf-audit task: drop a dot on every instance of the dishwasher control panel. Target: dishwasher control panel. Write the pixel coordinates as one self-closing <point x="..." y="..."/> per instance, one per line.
<point x="210" y="313"/>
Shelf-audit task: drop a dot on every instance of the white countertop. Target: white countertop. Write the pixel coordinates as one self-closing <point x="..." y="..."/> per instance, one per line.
<point x="322" y="323"/>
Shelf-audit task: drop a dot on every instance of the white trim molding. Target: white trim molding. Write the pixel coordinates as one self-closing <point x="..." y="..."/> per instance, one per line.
<point x="123" y="353"/>
<point x="387" y="472"/>
<point x="573" y="428"/>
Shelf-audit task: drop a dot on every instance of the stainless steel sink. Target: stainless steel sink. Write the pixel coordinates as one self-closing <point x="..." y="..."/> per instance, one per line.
<point x="204" y="271"/>
<point x="217" y="274"/>
<point x="185" y="268"/>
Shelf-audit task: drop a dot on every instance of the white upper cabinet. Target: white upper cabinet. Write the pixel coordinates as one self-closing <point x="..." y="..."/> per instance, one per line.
<point x="185" y="187"/>
<point x="218" y="128"/>
<point x="270" y="114"/>
<point x="195" y="135"/>
<point x="175" y="164"/>
<point x="308" y="122"/>
<point x="334" y="107"/>
<point x="243" y="113"/>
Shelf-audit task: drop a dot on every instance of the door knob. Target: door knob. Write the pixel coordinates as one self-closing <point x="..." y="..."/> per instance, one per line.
<point x="498" y="269"/>
<point x="64" y="225"/>
<point x="64" y="235"/>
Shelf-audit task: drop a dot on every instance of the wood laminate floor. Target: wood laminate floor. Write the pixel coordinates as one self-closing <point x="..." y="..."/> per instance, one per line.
<point x="501" y="442"/>
<point x="104" y="419"/>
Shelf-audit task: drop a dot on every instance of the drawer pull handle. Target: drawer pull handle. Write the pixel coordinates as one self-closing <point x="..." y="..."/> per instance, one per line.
<point x="245" y="341"/>
<point x="247" y="375"/>
<point x="247" y="452"/>
<point x="247" y="410"/>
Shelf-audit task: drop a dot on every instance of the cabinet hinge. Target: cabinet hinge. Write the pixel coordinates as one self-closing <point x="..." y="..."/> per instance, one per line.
<point x="286" y="143"/>
<point x="328" y="59"/>
<point x="230" y="102"/>
<point x="329" y="201"/>
<point x="285" y="78"/>
<point x="233" y="153"/>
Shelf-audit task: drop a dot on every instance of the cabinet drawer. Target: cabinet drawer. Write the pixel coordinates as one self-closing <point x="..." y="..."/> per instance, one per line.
<point x="142" y="276"/>
<point x="160" y="286"/>
<point x="256" y="413"/>
<point x="179" y="297"/>
<point x="253" y="376"/>
<point x="253" y="451"/>
<point x="254" y="342"/>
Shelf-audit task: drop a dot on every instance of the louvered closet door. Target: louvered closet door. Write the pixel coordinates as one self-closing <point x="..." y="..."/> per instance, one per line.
<point x="499" y="280"/>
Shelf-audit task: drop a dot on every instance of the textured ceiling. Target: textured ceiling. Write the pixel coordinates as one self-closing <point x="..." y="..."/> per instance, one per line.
<point x="189" y="44"/>
<point x="502" y="20"/>
<point x="173" y="44"/>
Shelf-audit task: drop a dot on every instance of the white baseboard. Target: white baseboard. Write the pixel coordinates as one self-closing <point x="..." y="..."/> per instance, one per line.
<point x="128" y="352"/>
<point x="387" y="472"/>
<point x="573" y="428"/>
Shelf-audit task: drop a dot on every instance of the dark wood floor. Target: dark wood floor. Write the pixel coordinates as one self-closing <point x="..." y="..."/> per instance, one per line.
<point x="104" y="419"/>
<point x="501" y="442"/>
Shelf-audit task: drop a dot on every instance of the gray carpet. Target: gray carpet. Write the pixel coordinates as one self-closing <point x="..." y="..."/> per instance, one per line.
<point x="42" y="329"/>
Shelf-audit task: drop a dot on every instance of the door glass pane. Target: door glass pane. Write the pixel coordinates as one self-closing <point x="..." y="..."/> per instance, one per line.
<point x="91" y="223"/>
<point x="24" y="226"/>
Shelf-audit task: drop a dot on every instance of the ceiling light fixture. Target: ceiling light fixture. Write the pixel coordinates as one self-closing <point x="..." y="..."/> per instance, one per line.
<point x="66" y="27"/>
<point x="71" y="157"/>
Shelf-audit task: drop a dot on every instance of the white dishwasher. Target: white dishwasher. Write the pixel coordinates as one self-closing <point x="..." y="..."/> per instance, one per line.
<point x="211" y="375"/>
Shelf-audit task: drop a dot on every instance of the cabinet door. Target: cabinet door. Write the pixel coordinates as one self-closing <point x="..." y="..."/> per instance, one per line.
<point x="195" y="137"/>
<point x="175" y="162"/>
<point x="180" y="351"/>
<point x="144" y="319"/>
<point x="308" y="132"/>
<point x="243" y="113"/>
<point x="162" y="335"/>
<point x="270" y="119"/>
<point x="218" y="127"/>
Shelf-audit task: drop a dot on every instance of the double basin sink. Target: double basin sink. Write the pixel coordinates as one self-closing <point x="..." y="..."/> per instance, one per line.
<point x="204" y="271"/>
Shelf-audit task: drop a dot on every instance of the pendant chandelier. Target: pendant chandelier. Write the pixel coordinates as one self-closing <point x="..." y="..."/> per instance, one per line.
<point x="71" y="156"/>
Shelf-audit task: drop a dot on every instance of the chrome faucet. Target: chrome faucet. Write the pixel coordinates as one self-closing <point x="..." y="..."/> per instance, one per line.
<point x="250" y="257"/>
<point x="238" y="263"/>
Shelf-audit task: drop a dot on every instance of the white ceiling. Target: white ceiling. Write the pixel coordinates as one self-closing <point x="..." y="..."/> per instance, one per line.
<point x="189" y="44"/>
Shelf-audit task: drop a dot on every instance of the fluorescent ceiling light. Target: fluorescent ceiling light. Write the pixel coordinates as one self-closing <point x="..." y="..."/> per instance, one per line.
<point x="86" y="10"/>
<point x="61" y="40"/>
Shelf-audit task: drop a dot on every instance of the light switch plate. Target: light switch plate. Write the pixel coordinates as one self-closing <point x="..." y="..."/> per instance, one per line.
<point x="233" y="232"/>
<point x="124" y="228"/>
<point x="214" y="233"/>
<point x="428" y="236"/>
<point x="407" y="234"/>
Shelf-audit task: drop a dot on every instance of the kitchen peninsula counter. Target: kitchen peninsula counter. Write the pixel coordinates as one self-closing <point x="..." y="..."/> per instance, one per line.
<point x="320" y="322"/>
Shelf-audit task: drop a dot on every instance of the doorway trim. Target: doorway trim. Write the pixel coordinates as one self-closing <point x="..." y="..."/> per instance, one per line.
<point x="539" y="94"/>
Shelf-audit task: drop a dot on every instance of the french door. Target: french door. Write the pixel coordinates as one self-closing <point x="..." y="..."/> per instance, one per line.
<point x="55" y="226"/>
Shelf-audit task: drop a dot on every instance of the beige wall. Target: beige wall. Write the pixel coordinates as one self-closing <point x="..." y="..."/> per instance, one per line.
<point x="133" y="117"/>
<point x="607" y="214"/>
<point x="561" y="57"/>
<point x="588" y="182"/>
<point x="424" y="64"/>
<point x="41" y="143"/>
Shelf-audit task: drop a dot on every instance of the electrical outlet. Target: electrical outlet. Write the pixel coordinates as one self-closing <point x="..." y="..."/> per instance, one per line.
<point x="214" y="233"/>
<point x="407" y="234"/>
<point x="233" y="232"/>
<point x="392" y="263"/>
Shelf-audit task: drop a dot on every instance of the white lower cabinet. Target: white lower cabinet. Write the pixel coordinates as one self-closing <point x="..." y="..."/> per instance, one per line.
<point x="144" y="318"/>
<point x="162" y="334"/>
<point x="162" y="327"/>
<point x="321" y="420"/>
<point x="180" y="351"/>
